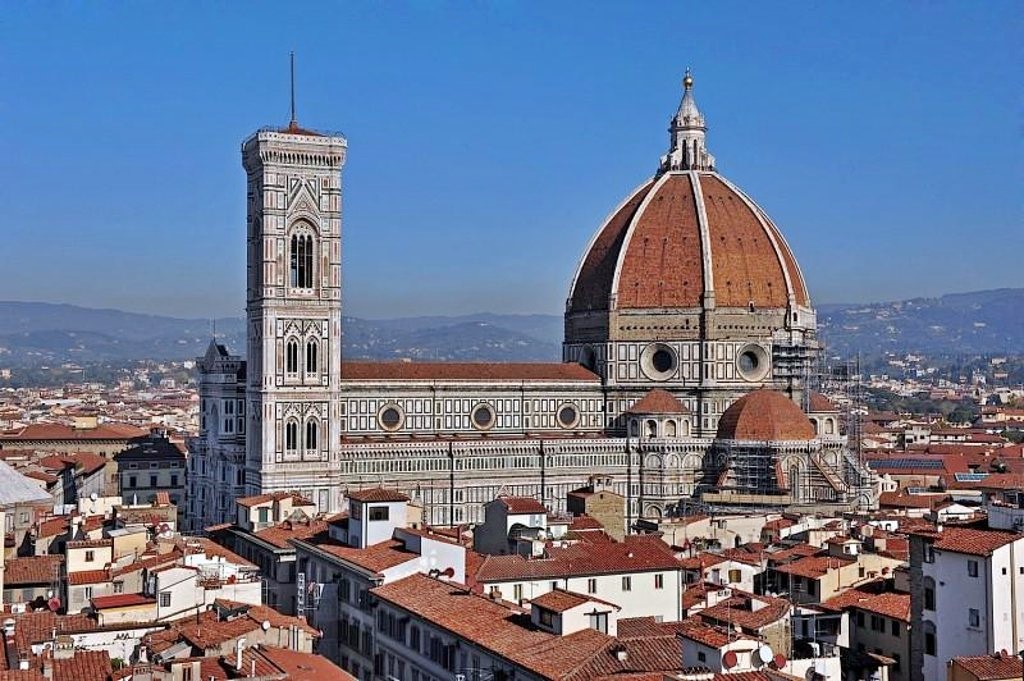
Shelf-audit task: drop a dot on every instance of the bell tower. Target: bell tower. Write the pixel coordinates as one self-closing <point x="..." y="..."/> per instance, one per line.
<point x="293" y="310"/>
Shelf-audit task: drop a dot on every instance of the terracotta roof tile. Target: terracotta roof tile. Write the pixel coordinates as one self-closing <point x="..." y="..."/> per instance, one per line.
<point x="57" y="431"/>
<point x="997" y="667"/>
<point x="32" y="570"/>
<point x="747" y="611"/>
<point x="894" y="605"/>
<point x="465" y="371"/>
<point x="22" y="675"/>
<point x="971" y="541"/>
<point x="85" y="665"/>
<point x="375" y="558"/>
<point x="53" y="527"/>
<point x="304" y="666"/>
<point x="697" y="630"/>
<point x="121" y="601"/>
<point x="494" y="626"/>
<point x="282" y="534"/>
<point x="88" y="577"/>
<point x="33" y="628"/>
<point x="560" y="600"/>
<point x="378" y="494"/>
<point x="637" y="554"/>
<point x="522" y="505"/>
<point x="813" y="567"/>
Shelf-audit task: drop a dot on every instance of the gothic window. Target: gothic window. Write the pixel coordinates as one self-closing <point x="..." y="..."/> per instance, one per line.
<point x="291" y="436"/>
<point x="311" y="435"/>
<point x="311" y="356"/>
<point x="291" y="357"/>
<point x="301" y="267"/>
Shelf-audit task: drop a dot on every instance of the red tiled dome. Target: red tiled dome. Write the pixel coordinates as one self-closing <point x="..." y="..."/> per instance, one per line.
<point x="764" y="415"/>
<point x="818" y="403"/>
<point x="658" y="401"/>
<point x="679" y="235"/>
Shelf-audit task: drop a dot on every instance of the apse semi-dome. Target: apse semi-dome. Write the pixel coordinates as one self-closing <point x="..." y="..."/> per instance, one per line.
<point x="764" y="416"/>
<point x="687" y="238"/>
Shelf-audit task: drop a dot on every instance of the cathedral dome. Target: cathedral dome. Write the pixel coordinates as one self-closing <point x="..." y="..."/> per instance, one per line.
<point x="764" y="415"/>
<point x="688" y="238"/>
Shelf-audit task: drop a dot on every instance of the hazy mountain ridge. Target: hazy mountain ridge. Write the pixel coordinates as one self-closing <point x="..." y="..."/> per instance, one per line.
<point x="45" y="333"/>
<point x="982" y="322"/>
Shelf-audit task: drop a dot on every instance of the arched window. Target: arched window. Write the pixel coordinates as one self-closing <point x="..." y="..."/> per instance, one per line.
<point x="929" y="637"/>
<point x="652" y="428"/>
<point x="312" y="434"/>
<point x="291" y="436"/>
<point x="830" y="427"/>
<point x="311" y="356"/>
<point x="670" y="428"/>
<point x="929" y="593"/>
<point x="301" y="267"/>
<point x="291" y="357"/>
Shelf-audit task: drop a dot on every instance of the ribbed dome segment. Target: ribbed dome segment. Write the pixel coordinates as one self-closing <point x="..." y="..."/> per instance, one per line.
<point x="764" y="415"/>
<point x="682" y="241"/>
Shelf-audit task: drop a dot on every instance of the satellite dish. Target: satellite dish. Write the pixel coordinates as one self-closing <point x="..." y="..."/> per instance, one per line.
<point x="266" y="625"/>
<point x="53" y="604"/>
<point x="765" y="654"/>
<point x="94" y="496"/>
<point x="779" y="661"/>
<point x="729" y="660"/>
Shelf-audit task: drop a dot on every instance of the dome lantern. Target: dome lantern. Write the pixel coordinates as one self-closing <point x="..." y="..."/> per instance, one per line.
<point x="687" y="135"/>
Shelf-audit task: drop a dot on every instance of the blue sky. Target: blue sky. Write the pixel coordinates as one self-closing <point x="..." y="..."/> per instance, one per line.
<point x="487" y="141"/>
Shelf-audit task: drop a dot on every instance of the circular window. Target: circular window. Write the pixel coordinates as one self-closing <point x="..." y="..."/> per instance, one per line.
<point x="752" y="363"/>
<point x="658" y="361"/>
<point x="391" y="417"/>
<point x="662" y="360"/>
<point x="568" y="416"/>
<point x="483" y="417"/>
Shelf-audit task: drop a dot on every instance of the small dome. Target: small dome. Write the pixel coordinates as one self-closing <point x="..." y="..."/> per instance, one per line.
<point x="818" y="404"/>
<point x="764" y="415"/>
<point x="658" y="401"/>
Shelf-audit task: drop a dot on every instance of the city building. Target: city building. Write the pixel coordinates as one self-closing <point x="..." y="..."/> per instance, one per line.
<point x="966" y="585"/>
<point x="85" y="434"/>
<point x="152" y="465"/>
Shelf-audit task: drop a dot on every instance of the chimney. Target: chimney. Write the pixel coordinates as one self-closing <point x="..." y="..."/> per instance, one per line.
<point x="239" y="646"/>
<point x="47" y="660"/>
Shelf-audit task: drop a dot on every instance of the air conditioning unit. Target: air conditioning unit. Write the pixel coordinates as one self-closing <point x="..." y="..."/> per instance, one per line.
<point x="17" y="608"/>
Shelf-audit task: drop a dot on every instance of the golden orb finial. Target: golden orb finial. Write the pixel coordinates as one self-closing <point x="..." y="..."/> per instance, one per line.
<point x="688" y="79"/>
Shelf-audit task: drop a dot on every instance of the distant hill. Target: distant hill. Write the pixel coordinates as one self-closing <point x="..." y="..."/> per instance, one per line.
<point x="958" y="323"/>
<point x="44" y="333"/>
<point x="32" y="334"/>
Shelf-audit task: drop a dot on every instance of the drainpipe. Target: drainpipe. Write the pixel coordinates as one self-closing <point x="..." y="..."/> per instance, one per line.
<point x="1014" y="610"/>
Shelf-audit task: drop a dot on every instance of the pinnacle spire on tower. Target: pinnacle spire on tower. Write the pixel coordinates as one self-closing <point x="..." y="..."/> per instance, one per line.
<point x="687" y="135"/>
